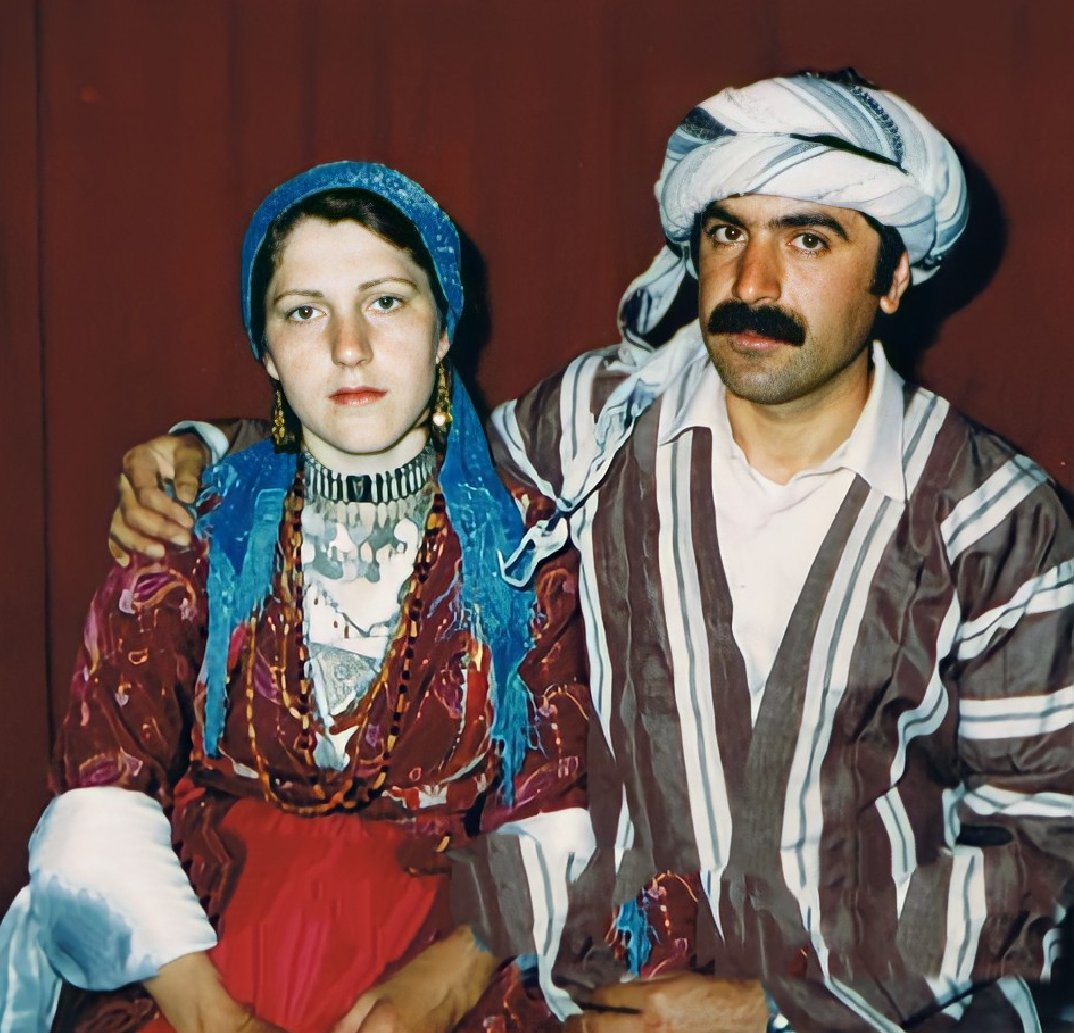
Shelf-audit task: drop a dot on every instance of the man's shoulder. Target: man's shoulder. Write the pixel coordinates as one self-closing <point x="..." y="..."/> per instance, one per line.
<point x="584" y="383"/>
<point x="969" y="453"/>
<point x="973" y="479"/>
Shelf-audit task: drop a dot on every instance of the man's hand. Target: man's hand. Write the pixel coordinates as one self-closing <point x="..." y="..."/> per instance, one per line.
<point x="430" y="994"/>
<point x="679" y="1003"/>
<point x="146" y="516"/>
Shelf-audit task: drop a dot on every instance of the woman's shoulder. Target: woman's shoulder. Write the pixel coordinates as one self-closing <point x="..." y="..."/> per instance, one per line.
<point x="242" y="491"/>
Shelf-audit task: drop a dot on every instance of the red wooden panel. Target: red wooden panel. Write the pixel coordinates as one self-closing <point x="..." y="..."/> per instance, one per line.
<point x="540" y="127"/>
<point x="23" y="697"/>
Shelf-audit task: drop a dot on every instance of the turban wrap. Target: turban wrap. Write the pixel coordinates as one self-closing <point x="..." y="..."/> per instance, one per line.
<point x="811" y="139"/>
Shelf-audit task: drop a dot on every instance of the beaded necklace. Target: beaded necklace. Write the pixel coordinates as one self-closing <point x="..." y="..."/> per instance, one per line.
<point x="350" y="794"/>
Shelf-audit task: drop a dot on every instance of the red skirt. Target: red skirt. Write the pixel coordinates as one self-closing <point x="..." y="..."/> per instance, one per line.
<point x="321" y="910"/>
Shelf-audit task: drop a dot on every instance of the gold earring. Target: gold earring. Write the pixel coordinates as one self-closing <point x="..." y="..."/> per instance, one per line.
<point x="441" y="418"/>
<point x="281" y="433"/>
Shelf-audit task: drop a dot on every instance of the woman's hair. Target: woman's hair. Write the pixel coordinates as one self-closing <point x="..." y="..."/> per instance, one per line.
<point x="339" y="205"/>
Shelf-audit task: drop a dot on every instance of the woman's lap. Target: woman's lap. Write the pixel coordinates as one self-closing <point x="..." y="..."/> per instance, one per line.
<point x="320" y="911"/>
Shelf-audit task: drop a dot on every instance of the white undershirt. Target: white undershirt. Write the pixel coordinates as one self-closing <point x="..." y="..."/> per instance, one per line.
<point x="770" y="533"/>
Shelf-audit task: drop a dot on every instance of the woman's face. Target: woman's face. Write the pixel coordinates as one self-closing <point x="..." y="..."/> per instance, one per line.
<point x="353" y="336"/>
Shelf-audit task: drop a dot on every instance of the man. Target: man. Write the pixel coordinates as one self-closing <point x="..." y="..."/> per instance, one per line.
<point x="830" y="622"/>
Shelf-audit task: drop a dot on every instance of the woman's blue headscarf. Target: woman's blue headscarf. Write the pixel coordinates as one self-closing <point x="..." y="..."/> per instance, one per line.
<point x="243" y="527"/>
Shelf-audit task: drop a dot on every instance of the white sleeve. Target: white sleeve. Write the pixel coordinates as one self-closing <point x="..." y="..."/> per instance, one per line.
<point x="29" y="985"/>
<point x="109" y="898"/>
<point x="528" y="866"/>
<point x="214" y="438"/>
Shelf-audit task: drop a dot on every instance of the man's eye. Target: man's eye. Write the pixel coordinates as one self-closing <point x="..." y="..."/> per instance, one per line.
<point x="810" y="242"/>
<point x="302" y="314"/>
<point x="725" y="234"/>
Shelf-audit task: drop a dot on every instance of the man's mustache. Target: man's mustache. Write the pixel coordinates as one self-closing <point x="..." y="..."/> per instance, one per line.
<point x="736" y="317"/>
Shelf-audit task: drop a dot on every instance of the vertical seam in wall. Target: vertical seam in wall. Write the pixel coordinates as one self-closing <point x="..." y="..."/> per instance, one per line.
<point x="50" y="706"/>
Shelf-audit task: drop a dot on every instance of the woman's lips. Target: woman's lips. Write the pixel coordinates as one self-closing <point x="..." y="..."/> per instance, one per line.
<point x="357" y="395"/>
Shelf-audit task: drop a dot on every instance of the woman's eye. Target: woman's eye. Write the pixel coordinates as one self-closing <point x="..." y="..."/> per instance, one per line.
<point x="387" y="303"/>
<point x="302" y="314"/>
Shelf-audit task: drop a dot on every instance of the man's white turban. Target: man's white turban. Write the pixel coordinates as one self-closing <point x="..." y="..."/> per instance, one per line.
<point x="814" y="140"/>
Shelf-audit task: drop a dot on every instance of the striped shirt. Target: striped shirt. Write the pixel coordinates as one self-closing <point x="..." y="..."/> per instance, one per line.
<point x="895" y="827"/>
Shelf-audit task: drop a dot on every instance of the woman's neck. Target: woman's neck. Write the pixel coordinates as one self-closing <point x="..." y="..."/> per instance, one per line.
<point x="386" y="485"/>
<point x="367" y="464"/>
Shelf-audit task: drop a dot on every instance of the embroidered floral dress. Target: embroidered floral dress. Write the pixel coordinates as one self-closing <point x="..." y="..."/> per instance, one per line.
<point x="355" y="757"/>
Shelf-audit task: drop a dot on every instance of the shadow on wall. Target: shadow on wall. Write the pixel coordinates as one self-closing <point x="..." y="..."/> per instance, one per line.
<point x="966" y="273"/>
<point x="475" y="325"/>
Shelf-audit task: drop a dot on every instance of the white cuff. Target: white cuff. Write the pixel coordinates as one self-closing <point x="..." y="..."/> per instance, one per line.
<point x="214" y="438"/>
<point x="555" y="847"/>
<point x="29" y="985"/>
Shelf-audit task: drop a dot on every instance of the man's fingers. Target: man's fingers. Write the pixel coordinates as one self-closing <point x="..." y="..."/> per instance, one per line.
<point x="155" y="515"/>
<point x="155" y="500"/>
<point x="190" y="459"/>
<point x="133" y="529"/>
<point x="149" y="466"/>
<point x="148" y="516"/>
<point x="150" y="512"/>
<point x="150" y="463"/>
<point x="688" y="1003"/>
<point x="632" y="995"/>
<point x="186" y="484"/>
<point x="119" y="554"/>
<point x="123" y="539"/>
<point x="604" y="1022"/>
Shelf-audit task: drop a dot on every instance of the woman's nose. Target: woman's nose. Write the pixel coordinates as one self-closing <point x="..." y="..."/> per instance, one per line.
<point x="351" y="344"/>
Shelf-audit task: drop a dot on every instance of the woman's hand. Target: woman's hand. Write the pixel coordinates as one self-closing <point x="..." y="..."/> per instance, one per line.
<point x="252" y="1024"/>
<point x="191" y="997"/>
<point x="430" y="994"/>
<point x="146" y="516"/>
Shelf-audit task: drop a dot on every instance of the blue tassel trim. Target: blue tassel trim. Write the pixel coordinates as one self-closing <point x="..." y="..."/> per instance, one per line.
<point x="632" y="925"/>
<point x="242" y="530"/>
<point x="487" y="521"/>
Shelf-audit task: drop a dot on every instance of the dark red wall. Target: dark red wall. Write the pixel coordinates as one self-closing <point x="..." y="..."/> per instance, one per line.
<point x="139" y="134"/>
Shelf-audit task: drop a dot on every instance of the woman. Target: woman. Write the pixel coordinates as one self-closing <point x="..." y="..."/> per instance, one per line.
<point x="333" y="688"/>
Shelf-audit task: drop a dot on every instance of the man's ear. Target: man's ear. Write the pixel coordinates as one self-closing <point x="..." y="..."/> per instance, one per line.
<point x="900" y="280"/>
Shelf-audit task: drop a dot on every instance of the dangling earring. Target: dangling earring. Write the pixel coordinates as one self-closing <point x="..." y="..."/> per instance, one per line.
<point x="282" y="437"/>
<point x="441" y="418"/>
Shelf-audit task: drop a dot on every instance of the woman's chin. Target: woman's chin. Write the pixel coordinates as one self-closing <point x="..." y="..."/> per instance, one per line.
<point x="354" y="454"/>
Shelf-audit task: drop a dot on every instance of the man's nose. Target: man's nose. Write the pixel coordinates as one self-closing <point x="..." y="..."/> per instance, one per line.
<point x="351" y="343"/>
<point x="759" y="273"/>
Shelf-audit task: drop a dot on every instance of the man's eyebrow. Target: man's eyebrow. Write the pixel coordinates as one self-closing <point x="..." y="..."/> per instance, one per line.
<point x="809" y="220"/>
<point x="717" y="211"/>
<point x="792" y="220"/>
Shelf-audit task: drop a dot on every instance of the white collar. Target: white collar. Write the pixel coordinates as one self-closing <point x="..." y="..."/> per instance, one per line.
<point x="873" y="449"/>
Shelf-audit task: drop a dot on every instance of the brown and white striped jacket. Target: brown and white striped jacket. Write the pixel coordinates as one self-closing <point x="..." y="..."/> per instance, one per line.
<point x="897" y="827"/>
